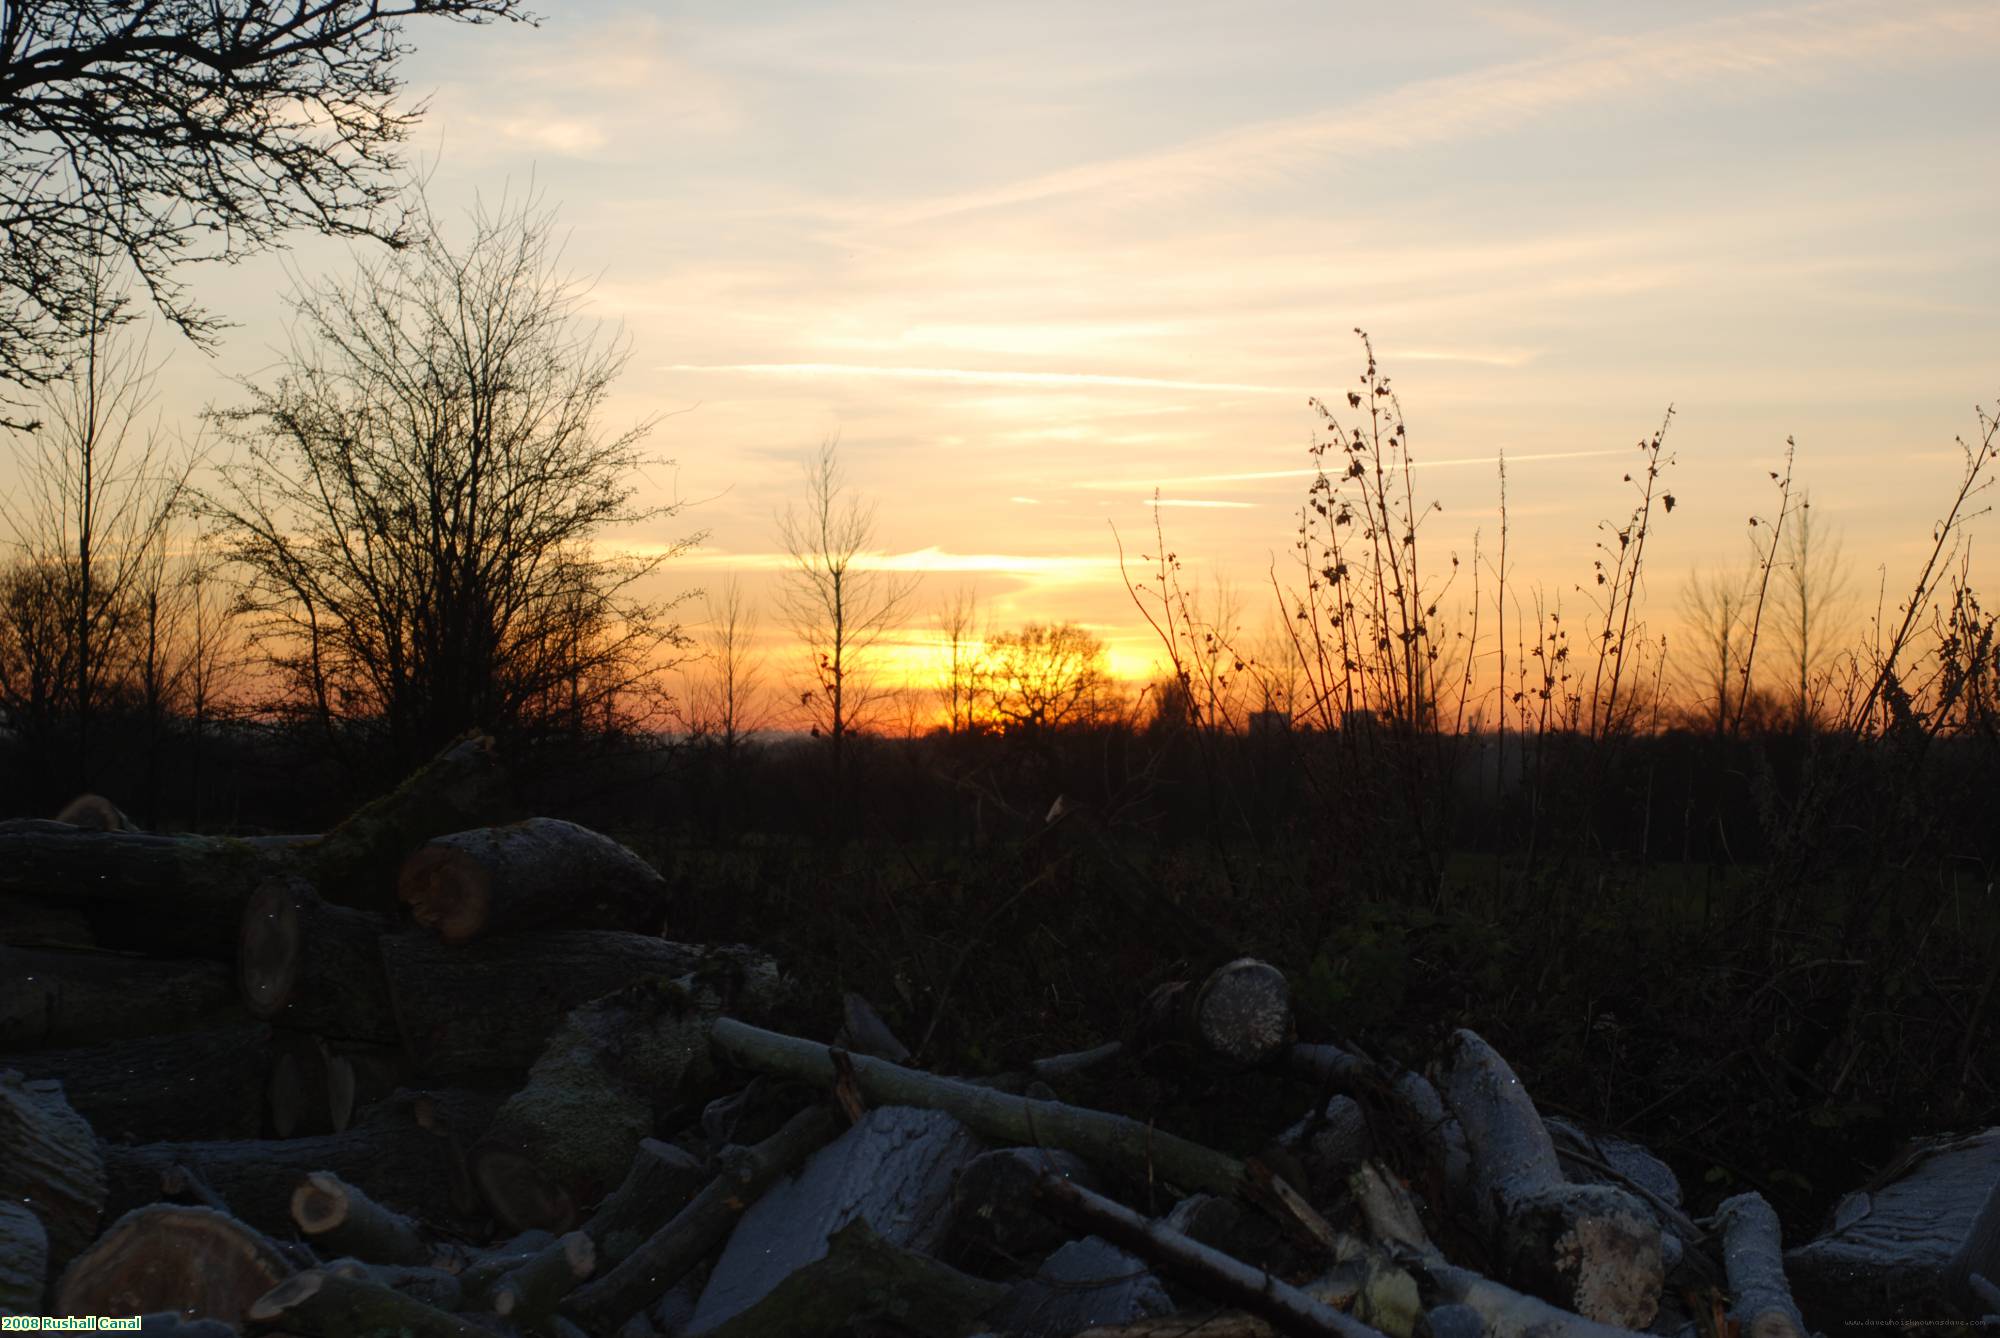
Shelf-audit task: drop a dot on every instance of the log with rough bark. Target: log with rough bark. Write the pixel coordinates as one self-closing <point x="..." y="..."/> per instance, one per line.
<point x="24" y="1259"/>
<point x="530" y="875"/>
<point x="193" y="1084"/>
<point x="1593" y="1249"/>
<point x="194" y="1260"/>
<point x="568" y="1136"/>
<point x="49" y="1164"/>
<point x="1212" y="1272"/>
<point x="355" y="863"/>
<point x="69" y="997"/>
<point x="661" y="1181"/>
<point x="313" y="966"/>
<point x="1503" y="1312"/>
<point x="319" y="1303"/>
<point x="339" y="1218"/>
<point x="861" y="1277"/>
<point x="388" y="1153"/>
<point x="665" y="1257"/>
<point x="1755" y="1263"/>
<point x="492" y="1005"/>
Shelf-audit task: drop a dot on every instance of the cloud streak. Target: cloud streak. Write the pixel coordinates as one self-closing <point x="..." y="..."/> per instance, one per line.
<point x="1780" y="45"/>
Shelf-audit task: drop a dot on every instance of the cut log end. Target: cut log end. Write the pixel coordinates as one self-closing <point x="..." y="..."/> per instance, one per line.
<point x="1243" y="1013"/>
<point x="447" y="891"/>
<point x="268" y="949"/>
<point x="166" y="1258"/>
<point x="319" y="1204"/>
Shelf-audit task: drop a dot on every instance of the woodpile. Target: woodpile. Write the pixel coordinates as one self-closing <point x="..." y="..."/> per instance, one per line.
<point x="437" y="1074"/>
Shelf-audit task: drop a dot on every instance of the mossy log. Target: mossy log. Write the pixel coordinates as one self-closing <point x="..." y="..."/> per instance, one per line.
<point x="69" y="997"/>
<point x="195" y="1260"/>
<point x="534" y="874"/>
<point x="1592" y="1249"/>
<point x="567" y="1138"/>
<point x="492" y="1005"/>
<point x="313" y="966"/>
<point x="193" y="1084"/>
<point x="320" y="1303"/>
<point x="49" y="1163"/>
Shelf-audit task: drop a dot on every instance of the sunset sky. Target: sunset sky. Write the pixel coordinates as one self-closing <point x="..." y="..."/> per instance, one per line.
<point x="1031" y="262"/>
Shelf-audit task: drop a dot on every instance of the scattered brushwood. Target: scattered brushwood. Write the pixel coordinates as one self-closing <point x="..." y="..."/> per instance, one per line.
<point x="521" y="1115"/>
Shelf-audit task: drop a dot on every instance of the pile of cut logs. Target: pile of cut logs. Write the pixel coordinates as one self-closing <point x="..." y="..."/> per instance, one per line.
<point x="429" y="1076"/>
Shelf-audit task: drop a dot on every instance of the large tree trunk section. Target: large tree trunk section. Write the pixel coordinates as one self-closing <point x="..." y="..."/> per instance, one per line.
<point x="389" y="1154"/>
<point x="196" y="1084"/>
<point x="340" y="1219"/>
<point x="355" y="864"/>
<point x="320" y="1303"/>
<point x="493" y="1005"/>
<point x="52" y="997"/>
<point x="1973" y="1275"/>
<point x="24" y="1260"/>
<point x="1593" y="1249"/>
<point x="1755" y="1264"/>
<point x="194" y="1260"/>
<point x="533" y="874"/>
<point x="567" y="1138"/>
<point x="170" y="896"/>
<point x="306" y="964"/>
<point x="667" y="1255"/>
<point x="49" y="1164"/>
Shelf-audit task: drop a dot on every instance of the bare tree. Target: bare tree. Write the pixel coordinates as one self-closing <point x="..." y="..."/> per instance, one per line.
<point x="958" y="628"/>
<point x="421" y="502"/>
<point x="1044" y="676"/>
<point x="728" y="701"/>
<point x="1812" y="583"/>
<point x="1717" y="609"/>
<point x="179" y="130"/>
<point x="838" y="606"/>
<point x="99" y="489"/>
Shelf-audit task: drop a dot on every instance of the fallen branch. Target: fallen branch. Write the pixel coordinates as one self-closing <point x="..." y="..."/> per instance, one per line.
<point x="1288" y="1309"/>
<point x="1754" y="1260"/>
